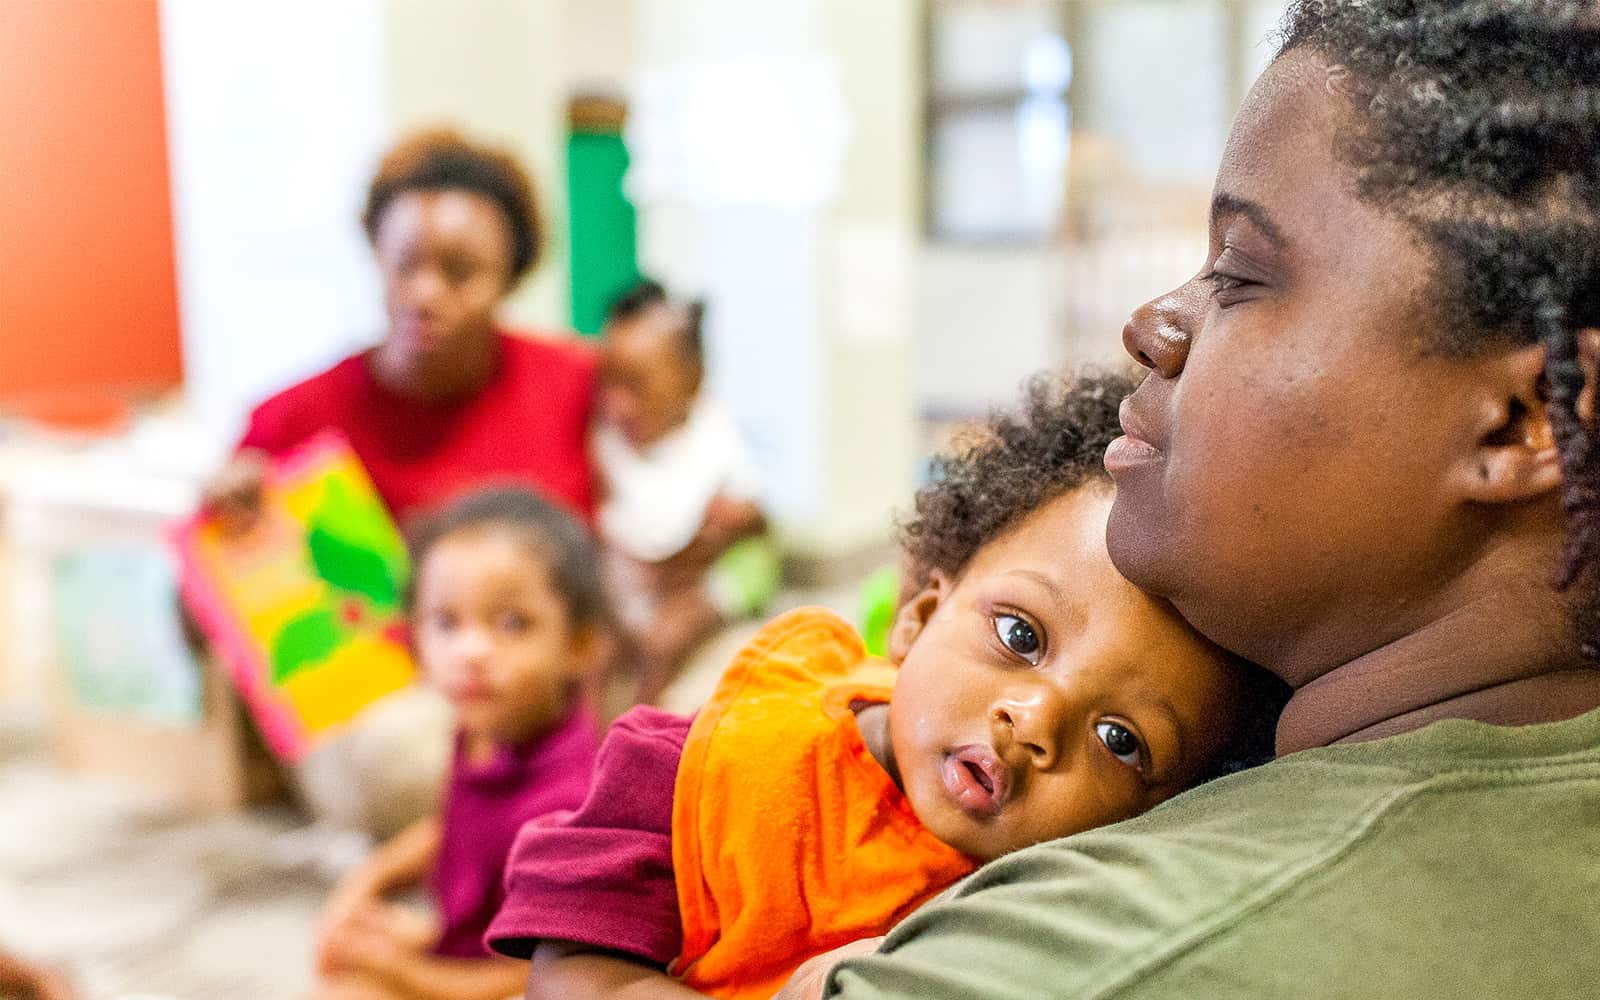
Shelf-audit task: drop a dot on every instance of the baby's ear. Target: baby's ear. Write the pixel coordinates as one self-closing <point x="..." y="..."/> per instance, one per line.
<point x="915" y="613"/>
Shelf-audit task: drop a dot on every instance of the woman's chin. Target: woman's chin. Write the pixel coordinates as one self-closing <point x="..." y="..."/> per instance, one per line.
<point x="1134" y="542"/>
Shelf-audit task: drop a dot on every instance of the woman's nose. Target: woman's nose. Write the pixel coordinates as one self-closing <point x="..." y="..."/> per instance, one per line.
<point x="1157" y="335"/>
<point x="424" y="287"/>
<point x="1032" y="721"/>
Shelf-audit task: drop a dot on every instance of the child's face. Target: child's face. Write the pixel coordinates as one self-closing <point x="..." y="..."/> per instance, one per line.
<point x="1041" y="694"/>
<point x="648" y="380"/>
<point x="495" y="636"/>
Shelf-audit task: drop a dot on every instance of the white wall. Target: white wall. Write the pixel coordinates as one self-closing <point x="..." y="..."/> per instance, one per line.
<point x="268" y="172"/>
<point x="277" y="114"/>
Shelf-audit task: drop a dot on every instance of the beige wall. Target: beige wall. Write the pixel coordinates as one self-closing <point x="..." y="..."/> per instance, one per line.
<point x="871" y="443"/>
<point x="494" y="68"/>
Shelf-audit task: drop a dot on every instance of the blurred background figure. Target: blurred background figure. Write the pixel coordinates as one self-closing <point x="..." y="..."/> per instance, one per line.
<point x="416" y="217"/>
<point x="681" y="517"/>
<point x="448" y="398"/>
<point x="446" y="401"/>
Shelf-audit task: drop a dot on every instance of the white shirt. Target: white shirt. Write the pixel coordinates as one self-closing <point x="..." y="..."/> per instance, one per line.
<point x="656" y="499"/>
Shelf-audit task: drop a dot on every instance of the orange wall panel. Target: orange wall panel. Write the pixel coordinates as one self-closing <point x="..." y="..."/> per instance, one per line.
<point x="88" y="296"/>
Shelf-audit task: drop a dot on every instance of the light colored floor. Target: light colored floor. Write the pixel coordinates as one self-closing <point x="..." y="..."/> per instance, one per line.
<point x="136" y="899"/>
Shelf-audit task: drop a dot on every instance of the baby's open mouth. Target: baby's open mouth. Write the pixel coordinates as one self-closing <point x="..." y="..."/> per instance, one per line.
<point x="977" y="779"/>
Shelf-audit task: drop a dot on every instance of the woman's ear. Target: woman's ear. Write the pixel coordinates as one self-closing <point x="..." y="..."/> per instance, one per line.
<point x="1515" y="458"/>
<point x="914" y="614"/>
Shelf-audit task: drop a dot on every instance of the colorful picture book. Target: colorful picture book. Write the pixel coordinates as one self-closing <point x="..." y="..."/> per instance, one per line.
<point x="305" y="609"/>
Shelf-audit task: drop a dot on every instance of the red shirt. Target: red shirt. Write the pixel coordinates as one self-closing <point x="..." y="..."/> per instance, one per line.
<point x="484" y="808"/>
<point x="527" y="426"/>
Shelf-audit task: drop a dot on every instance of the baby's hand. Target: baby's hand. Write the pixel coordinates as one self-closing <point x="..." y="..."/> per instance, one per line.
<point x="808" y="980"/>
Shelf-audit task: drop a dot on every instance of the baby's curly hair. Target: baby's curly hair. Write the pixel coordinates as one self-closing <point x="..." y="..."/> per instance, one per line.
<point x="444" y="160"/>
<point x="1018" y="462"/>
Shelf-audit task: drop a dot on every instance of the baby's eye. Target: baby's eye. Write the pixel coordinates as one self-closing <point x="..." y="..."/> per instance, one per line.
<point x="445" y="620"/>
<point x="1018" y="636"/>
<point x="1120" y="741"/>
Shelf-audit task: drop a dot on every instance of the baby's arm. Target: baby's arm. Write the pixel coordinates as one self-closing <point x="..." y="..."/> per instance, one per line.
<point x="564" y="970"/>
<point x="727" y="521"/>
<point x="404" y="860"/>
<point x="409" y="975"/>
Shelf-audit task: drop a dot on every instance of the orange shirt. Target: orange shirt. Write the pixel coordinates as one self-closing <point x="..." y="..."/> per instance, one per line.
<point x="788" y="838"/>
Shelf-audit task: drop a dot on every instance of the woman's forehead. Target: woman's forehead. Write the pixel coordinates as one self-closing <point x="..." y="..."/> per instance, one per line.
<point x="1285" y="127"/>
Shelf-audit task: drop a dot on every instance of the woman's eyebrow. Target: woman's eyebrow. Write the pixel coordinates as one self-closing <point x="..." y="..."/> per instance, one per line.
<point x="1225" y="205"/>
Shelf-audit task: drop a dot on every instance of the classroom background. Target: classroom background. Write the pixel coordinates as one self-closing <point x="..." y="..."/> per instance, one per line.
<point x="895" y="210"/>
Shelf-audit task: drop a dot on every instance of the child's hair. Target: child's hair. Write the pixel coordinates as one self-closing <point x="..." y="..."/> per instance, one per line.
<point x="1017" y="463"/>
<point x="646" y="294"/>
<point x="1478" y="121"/>
<point x="550" y="532"/>
<point x="1021" y="460"/>
<point x="443" y="160"/>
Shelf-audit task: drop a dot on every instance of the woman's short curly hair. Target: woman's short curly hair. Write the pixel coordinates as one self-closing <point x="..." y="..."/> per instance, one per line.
<point x="444" y="160"/>
<point x="1020" y="460"/>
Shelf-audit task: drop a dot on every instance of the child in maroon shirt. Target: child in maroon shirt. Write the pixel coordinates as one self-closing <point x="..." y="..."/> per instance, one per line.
<point x="508" y="616"/>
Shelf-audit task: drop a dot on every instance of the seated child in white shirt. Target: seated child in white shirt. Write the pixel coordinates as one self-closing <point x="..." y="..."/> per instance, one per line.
<point x="681" y="519"/>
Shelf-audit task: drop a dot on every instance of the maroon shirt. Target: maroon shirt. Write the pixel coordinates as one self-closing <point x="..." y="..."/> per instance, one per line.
<point x="485" y="806"/>
<point x="527" y="426"/>
<point x="602" y="876"/>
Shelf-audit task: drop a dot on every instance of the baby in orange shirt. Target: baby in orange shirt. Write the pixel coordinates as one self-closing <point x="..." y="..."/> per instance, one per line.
<point x="1030" y="692"/>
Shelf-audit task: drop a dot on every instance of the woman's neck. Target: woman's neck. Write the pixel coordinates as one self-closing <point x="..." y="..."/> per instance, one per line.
<point x="468" y="370"/>
<point x="1497" y="659"/>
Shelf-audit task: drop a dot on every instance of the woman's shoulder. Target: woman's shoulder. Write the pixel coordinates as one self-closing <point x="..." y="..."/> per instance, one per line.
<point x="547" y="352"/>
<point x="288" y="416"/>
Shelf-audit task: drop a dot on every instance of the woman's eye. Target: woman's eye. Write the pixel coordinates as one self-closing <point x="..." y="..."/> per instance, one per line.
<point x="1224" y="283"/>
<point x="1120" y="741"/>
<point x="1018" y="636"/>
<point x="514" y="622"/>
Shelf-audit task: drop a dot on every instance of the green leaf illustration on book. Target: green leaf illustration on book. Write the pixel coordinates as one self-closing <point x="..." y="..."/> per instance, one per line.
<point x="305" y="641"/>
<point x="349" y="537"/>
<point x="358" y="571"/>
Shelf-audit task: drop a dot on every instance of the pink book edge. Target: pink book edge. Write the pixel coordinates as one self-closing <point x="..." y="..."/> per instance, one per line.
<point x="233" y="645"/>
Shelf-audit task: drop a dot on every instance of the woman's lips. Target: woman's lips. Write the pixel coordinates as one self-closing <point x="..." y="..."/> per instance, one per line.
<point x="1126" y="452"/>
<point x="1134" y="447"/>
<point x="977" y="779"/>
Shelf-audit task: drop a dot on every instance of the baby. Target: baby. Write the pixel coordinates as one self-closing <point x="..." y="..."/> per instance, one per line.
<point x="821" y="796"/>
<point x="681" y="518"/>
